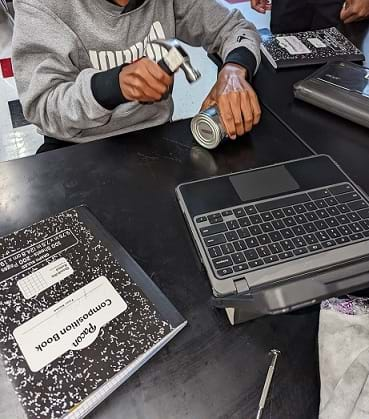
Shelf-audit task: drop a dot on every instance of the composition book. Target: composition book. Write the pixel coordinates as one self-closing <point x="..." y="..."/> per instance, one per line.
<point x="308" y="48"/>
<point x="77" y="315"/>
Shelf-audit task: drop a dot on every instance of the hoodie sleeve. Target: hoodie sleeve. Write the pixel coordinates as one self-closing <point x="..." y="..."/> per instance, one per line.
<point x="55" y="94"/>
<point x="220" y="31"/>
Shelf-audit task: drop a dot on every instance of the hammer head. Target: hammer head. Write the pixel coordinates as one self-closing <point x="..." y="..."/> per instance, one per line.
<point x="177" y="58"/>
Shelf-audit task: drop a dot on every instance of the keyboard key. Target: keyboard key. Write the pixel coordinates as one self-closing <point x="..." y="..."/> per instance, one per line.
<point x="240" y="245"/>
<point x="333" y="211"/>
<point x="298" y="242"/>
<point x="331" y="201"/>
<point x="222" y="262"/>
<point x="364" y="214"/>
<point x="310" y="206"/>
<point x="366" y="233"/>
<point x="278" y="224"/>
<point x="343" y="208"/>
<point x="348" y="197"/>
<point x="321" y="225"/>
<point x="238" y="258"/>
<point x="215" y="240"/>
<point x="329" y="243"/>
<point x="287" y="245"/>
<point x="243" y="233"/>
<point x="216" y="216"/>
<point x="315" y="247"/>
<point x="215" y="252"/>
<point x="231" y="236"/>
<point x="356" y="228"/>
<point x="264" y="239"/>
<point x="310" y="239"/>
<point x="301" y="219"/>
<point x="239" y="212"/>
<point x="263" y="251"/>
<point x="300" y="251"/>
<point x="287" y="233"/>
<point x="300" y="209"/>
<point x="289" y="212"/>
<point x="290" y="222"/>
<point x="201" y="219"/>
<point x="213" y="229"/>
<point x="311" y="216"/>
<point x="333" y="233"/>
<point x="358" y="205"/>
<point x="232" y="225"/>
<point x="256" y="263"/>
<point x="251" y="254"/>
<point x="278" y="214"/>
<point x="343" y="219"/>
<point x="341" y="189"/>
<point x="332" y="222"/>
<point x="365" y="224"/>
<point x="240" y="268"/>
<point x="227" y="213"/>
<point x="271" y="259"/>
<point x="298" y="230"/>
<point x="342" y="240"/>
<point x="283" y="202"/>
<point x="225" y="272"/>
<point x="276" y="236"/>
<point x="320" y="203"/>
<point x="252" y="242"/>
<point x="285" y="255"/>
<point x="250" y="210"/>
<point x="267" y="227"/>
<point x="256" y="219"/>
<point x="275" y="248"/>
<point x="310" y="227"/>
<point x="215" y="220"/>
<point x="227" y="248"/>
<point x="267" y="216"/>
<point x="323" y="193"/>
<point x="356" y="236"/>
<point x="255" y="230"/>
<point x="353" y="217"/>
<point x="344" y="230"/>
<point x="244" y="222"/>
<point x="322" y="214"/>
<point x="322" y="236"/>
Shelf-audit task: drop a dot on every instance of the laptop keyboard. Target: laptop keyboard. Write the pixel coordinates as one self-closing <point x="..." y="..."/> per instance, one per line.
<point x="252" y="237"/>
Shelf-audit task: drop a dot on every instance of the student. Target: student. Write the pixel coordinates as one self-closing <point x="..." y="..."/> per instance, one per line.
<point x="82" y="74"/>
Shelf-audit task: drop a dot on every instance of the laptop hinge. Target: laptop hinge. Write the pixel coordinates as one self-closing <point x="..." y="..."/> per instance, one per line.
<point x="241" y="286"/>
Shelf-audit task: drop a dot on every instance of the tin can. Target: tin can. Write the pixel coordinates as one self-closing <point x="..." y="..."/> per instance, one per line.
<point x="207" y="128"/>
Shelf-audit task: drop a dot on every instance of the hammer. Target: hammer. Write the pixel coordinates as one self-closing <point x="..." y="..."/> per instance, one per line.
<point x="176" y="58"/>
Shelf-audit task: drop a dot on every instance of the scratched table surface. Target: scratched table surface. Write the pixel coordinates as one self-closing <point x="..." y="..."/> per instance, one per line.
<point x="211" y="370"/>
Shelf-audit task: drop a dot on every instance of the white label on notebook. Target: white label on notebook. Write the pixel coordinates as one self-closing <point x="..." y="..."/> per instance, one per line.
<point x="46" y="277"/>
<point x="293" y="45"/>
<point x="318" y="43"/>
<point x="72" y="324"/>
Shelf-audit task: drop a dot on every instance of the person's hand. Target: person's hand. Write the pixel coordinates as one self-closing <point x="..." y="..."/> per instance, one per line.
<point x="355" y="10"/>
<point x="144" y="81"/>
<point x="236" y="100"/>
<point x="261" y="6"/>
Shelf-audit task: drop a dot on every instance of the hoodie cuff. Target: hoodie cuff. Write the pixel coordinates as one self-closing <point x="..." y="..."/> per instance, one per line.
<point x="106" y="89"/>
<point x="245" y="58"/>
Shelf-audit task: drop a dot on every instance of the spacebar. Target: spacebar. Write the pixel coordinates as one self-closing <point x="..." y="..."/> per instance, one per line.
<point x="283" y="202"/>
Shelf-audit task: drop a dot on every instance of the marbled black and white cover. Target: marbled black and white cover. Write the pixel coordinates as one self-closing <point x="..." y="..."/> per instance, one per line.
<point x="311" y="47"/>
<point x="65" y="382"/>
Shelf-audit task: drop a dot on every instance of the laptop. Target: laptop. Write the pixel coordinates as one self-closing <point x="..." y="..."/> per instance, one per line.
<point x="278" y="238"/>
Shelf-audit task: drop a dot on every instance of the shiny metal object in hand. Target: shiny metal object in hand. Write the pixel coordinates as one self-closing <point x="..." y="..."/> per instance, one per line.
<point x="207" y="128"/>
<point x="275" y="353"/>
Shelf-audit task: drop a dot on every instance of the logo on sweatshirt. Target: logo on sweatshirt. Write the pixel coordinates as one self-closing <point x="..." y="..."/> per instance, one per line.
<point x="106" y="60"/>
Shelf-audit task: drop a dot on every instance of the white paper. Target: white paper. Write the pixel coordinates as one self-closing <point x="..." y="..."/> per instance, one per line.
<point x="293" y="45"/>
<point x="72" y="324"/>
<point x="318" y="43"/>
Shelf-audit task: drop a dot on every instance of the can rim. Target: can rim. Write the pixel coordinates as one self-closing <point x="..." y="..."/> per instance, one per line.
<point x="206" y="142"/>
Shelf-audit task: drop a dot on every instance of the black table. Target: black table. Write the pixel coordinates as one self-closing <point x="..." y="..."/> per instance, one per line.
<point x="346" y="142"/>
<point x="211" y="370"/>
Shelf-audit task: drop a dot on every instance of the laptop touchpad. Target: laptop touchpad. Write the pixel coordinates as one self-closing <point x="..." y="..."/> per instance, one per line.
<point x="259" y="184"/>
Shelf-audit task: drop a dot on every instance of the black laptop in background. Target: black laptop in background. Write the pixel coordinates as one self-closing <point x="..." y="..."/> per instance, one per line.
<point x="281" y="237"/>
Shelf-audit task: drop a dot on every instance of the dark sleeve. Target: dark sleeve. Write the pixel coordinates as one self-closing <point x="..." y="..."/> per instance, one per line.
<point x="243" y="57"/>
<point x="106" y="88"/>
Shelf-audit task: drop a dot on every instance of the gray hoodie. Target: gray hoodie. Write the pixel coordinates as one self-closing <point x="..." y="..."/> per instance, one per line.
<point x="60" y="47"/>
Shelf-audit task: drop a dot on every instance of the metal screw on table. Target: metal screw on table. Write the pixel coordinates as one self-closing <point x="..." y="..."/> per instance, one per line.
<point x="275" y="353"/>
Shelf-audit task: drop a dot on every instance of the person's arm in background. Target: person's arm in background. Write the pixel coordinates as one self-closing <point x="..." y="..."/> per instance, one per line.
<point x="55" y="94"/>
<point x="208" y="24"/>
<point x="355" y="10"/>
